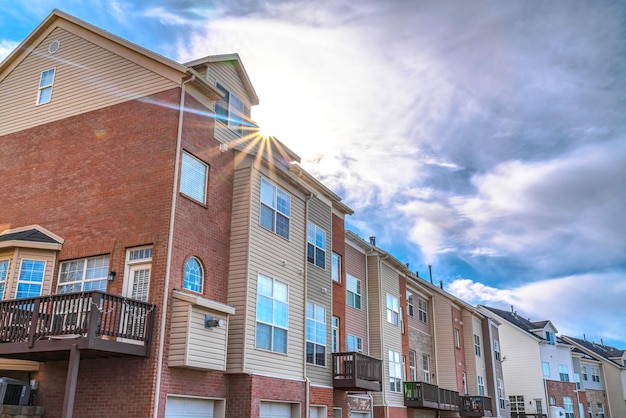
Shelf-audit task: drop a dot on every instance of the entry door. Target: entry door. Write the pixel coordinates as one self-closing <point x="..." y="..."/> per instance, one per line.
<point x="139" y="282"/>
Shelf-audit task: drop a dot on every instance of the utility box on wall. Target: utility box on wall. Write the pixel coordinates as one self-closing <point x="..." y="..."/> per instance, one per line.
<point x="14" y="391"/>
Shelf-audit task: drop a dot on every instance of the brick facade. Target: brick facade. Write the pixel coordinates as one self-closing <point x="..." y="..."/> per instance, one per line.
<point x="561" y="389"/>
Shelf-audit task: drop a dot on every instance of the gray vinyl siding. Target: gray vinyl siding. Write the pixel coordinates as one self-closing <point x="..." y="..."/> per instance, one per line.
<point x="87" y="77"/>
<point x="238" y="267"/>
<point x="320" y="214"/>
<point x="355" y="319"/>
<point x="282" y="260"/>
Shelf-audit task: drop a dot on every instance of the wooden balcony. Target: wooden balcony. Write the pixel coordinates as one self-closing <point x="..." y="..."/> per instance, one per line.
<point x="98" y="324"/>
<point x="357" y="372"/>
<point x="476" y="406"/>
<point x="426" y="395"/>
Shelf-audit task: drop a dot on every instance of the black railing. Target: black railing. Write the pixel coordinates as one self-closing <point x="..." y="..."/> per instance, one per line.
<point x="426" y="395"/>
<point x="356" y="371"/>
<point x="476" y="406"/>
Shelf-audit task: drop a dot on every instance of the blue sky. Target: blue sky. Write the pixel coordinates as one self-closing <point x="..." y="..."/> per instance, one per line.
<point x="484" y="138"/>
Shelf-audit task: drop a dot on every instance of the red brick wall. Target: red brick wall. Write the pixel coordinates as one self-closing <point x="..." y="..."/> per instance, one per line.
<point x="320" y="397"/>
<point x="340" y="400"/>
<point x="246" y="391"/>
<point x="560" y="389"/>
<point x="459" y="354"/>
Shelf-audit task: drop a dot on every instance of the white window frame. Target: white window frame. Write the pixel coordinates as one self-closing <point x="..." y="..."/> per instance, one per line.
<point x="87" y="269"/>
<point x="48" y="87"/>
<point x="194" y="177"/>
<point x="272" y="203"/>
<point x="334" y="339"/>
<point x="137" y="258"/>
<point x="197" y="285"/>
<point x="4" y="274"/>
<point x="477" y="345"/>
<point x="314" y="326"/>
<point x="412" y="366"/>
<point x="395" y="372"/>
<point x="409" y="304"/>
<point x="481" y="385"/>
<point x="583" y="371"/>
<point x="353" y="292"/>
<point x="354" y="343"/>
<point x="568" y="405"/>
<point x="563" y="373"/>
<point x="316" y="245"/>
<point x="496" y="350"/>
<point x="335" y="267"/>
<point x="600" y="410"/>
<point x="457" y="338"/>
<point x="426" y="368"/>
<point x="595" y="374"/>
<point x="231" y="108"/>
<point x="422" y="308"/>
<point x="517" y="403"/>
<point x="550" y="337"/>
<point x="545" y="367"/>
<point x="277" y="300"/>
<point x="393" y="309"/>
<point x="21" y="280"/>
<point x="501" y="393"/>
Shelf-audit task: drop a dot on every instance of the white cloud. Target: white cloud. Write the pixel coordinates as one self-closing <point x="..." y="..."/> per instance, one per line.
<point x="6" y="47"/>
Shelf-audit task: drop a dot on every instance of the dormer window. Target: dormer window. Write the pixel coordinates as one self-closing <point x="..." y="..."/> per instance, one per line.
<point x="230" y="110"/>
<point x="45" y="86"/>
<point x="550" y="337"/>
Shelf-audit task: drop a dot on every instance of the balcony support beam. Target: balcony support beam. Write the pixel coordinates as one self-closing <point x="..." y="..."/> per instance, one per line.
<point x="70" y="382"/>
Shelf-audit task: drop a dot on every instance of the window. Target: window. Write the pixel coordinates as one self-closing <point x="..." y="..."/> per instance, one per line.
<point x="568" y="405"/>
<point x="355" y="344"/>
<point x="395" y="372"/>
<point x="194" y="275"/>
<point x="426" y="366"/>
<point x="335" y="267"/>
<point x="477" y="345"/>
<point x="4" y="272"/>
<point x="595" y="374"/>
<point x="409" y="304"/>
<point x="517" y="403"/>
<point x="552" y="400"/>
<point x="138" y="261"/>
<point x="563" y="373"/>
<point x="83" y="275"/>
<point x="481" y="386"/>
<point x="275" y="209"/>
<point x="589" y="410"/>
<point x="577" y="381"/>
<point x="45" y="86"/>
<point x="501" y="393"/>
<point x="194" y="175"/>
<point x="316" y="245"/>
<point x="550" y="337"/>
<point x="583" y="370"/>
<point x="538" y="406"/>
<point x="412" y="367"/>
<point x="335" y="334"/>
<point x="353" y="292"/>
<point x="315" y="334"/>
<point x="422" y="307"/>
<point x="30" y="279"/>
<point x="230" y="110"/>
<point x="546" y="368"/>
<point x="600" y="410"/>
<point x="393" y="309"/>
<point x="496" y="350"/>
<point x="457" y="338"/>
<point x="272" y="315"/>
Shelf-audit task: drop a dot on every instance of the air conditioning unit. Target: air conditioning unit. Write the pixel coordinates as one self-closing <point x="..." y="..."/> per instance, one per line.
<point x="14" y="391"/>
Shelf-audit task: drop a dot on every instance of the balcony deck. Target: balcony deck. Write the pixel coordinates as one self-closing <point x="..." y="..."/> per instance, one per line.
<point x="476" y="406"/>
<point x="426" y="395"/>
<point x="357" y="372"/>
<point x="99" y="324"/>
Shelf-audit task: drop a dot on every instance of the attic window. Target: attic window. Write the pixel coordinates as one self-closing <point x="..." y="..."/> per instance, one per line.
<point x="45" y="86"/>
<point x="230" y="110"/>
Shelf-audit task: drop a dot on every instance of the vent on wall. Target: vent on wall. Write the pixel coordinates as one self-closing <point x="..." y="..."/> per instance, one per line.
<point x="54" y="46"/>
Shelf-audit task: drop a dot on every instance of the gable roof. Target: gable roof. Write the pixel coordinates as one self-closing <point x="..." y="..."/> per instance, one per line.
<point x="522" y="323"/>
<point x="605" y="352"/>
<point x="32" y="236"/>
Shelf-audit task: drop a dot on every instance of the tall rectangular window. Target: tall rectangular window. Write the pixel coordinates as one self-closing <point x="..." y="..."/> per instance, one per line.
<point x="353" y="292"/>
<point x="272" y="315"/>
<point x="568" y="405"/>
<point x="46" y="82"/>
<point x="335" y="335"/>
<point x="355" y="344"/>
<point x="583" y="371"/>
<point x="83" y="275"/>
<point x="550" y="337"/>
<point x="4" y="272"/>
<point x="517" y="403"/>
<point x="595" y="374"/>
<point x="477" y="345"/>
<point x="563" y="373"/>
<point x="315" y="334"/>
<point x="30" y="279"/>
<point x="422" y="307"/>
<point x="496" y="350"/>
<point x="412" y="366"/>
<point x="501" y="393"/>
<point x="538" y="406"/>
<point x="409" y="303"/>
<point x="316" y="245"/>
<point x="481" y="386"/>
<point x="426" y="368"/>
<point x="589" y="410"/>
<point x="457" y="338"/>
<point x="275" y="209"/>
<point x="335" y="267"/>
<point x="230" y="110"/>
<point x="600" y="410"/>
<point x="194" y="175"/>
<point x="395" y="372"/>
<point x="393" y="309"/>
<point x="545" y="366"/>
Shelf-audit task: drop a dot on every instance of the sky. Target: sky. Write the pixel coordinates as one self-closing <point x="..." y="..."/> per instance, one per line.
<point x="485" y="138"/>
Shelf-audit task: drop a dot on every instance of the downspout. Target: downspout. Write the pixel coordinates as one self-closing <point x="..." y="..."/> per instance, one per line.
<point x="170" y="239"/>
<point x="307" y="382"/>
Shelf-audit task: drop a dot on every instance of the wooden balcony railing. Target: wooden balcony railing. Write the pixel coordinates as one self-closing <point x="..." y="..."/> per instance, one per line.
<point x="356" y="371"/>
<point x="476" y="406"/>
<point x="95" y="321"/>
<point x="426" y="395"/>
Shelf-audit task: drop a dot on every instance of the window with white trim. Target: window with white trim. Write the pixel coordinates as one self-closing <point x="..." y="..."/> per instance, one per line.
<point x="422" y="308"/>
<point x="409" y="303"/>
<point x="395" y="372"/>
<point x="538" y="406"/>
<point x="501" y="393"/>
<point x="517" y="403"/>
<point x="595" y="374"/>
<point x="496" y="350"/>
<point x="354" y="344"/>
<point x="315" y="334"/>
<point x="230" y="110"/>
<point x="545" y="366"/>
<point x="335" y="334"/>
<point x="589" y="410"/>
<point x="563" y="373"/>
<point x="83" y="275"/>
<point x="550" y="337"/>
<point x="4" y="272"/>
<point x="568" y="405"/>
<point x="477" y="345"/>
<point x="193" y="278"/>
<point x="30" y="279"/>
<point x="275" y="209"/>
<point x="600" y="410"/>
<point x="426" y="368"/>
<point x="583" y="371"/>
<point x="353" y="292"/>
<point x="481" y="386"/>
<point x="272" y="315"/>
<point x="412" y="366"/>
<point x="46" y="81"/>
<point x="457" y="338"/>
<point x="194" y="175"/>
<point x="316" y="245"/>
<point x="335" y="267"/>
<point x="393" y="309"/>
<point x="139" y="265"/>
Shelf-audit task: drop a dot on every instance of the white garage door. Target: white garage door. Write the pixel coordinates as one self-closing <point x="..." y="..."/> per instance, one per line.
<point x="178" y="407"/>
<point x="275" y="410"/>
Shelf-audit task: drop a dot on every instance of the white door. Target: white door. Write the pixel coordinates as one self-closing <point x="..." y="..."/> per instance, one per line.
<point x="178" y="407"/>
<point x="275" y="410"/>
<point x="139" y="280"/>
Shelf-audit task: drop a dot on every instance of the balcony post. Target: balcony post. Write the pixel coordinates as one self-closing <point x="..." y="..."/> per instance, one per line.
<point x="70" y="382"/>
<point x="34" y="323"/>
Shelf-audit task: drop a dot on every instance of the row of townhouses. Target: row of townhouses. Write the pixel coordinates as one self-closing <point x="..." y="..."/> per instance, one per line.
<point x="160" y="258"/>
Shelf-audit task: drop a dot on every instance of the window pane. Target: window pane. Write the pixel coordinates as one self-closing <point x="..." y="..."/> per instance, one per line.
<point x="280" y="314"/>
<point x="280" y="291"/>
<point x="283" y="203"/>
<point x="280" y="340"/>
<point x="268" y="193"/>
<point x="45" y="95"/>
<point x="263" y="336"/>
<point x="267" y="218"/>
<point x="264" y="310"/>
<point x="264" y="285"/>
<point x="282" y="226"/>
<point x="320" y="258"/>
<point x="47" y="78"/>
<point x="193" y="275"/>
<point x="193" y="178"/>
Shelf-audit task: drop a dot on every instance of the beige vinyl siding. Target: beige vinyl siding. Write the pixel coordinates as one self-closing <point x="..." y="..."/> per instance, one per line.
<point x="320" y="214"/>
<point x="355" y="319"/>
<point x="392" y="336"/>
<point x="191" y="344"/>
<point x="238" y="267"/>
<point x="8" y="254"/>
<point x="614" y="392"/>
<point x="444" y="337"/>
<point x="87" y="77"/>
<point x="30" y="254"/>
<point x="282" y="260"/>
<point x="375" y="304"/>
<point x="475" y="365"/>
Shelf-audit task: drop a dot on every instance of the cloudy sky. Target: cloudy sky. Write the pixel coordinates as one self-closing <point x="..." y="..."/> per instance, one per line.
<point x="484" y="138"/>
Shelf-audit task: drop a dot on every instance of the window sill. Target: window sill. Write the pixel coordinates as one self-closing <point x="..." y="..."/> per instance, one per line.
<point x="197" y="202"/>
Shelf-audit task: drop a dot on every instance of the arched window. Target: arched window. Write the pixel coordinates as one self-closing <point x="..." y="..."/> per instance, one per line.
<point x="194" y="275"/>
